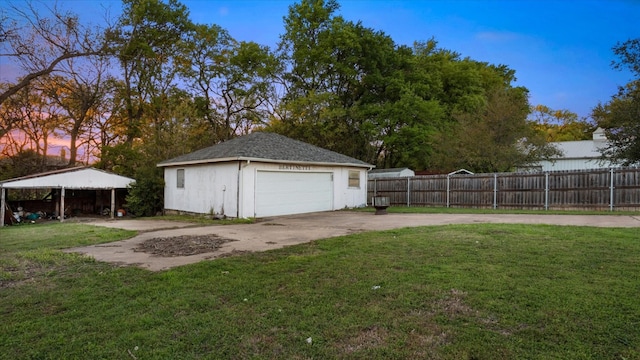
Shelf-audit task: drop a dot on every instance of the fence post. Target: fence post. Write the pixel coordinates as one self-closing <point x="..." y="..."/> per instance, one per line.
<point x="611" y="190"/>
<point x="375" y="187"/>
<point x="408" y="192"/>
<point x="546" y="191"/>
<point x="448" y="190"/>
<point x="495" y="191"/>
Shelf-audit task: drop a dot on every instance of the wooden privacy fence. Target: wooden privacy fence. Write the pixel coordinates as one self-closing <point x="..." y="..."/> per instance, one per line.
<point x="596" y="189"/>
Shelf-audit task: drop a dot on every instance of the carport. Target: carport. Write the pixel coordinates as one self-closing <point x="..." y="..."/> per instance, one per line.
<point x="78" y="178"/>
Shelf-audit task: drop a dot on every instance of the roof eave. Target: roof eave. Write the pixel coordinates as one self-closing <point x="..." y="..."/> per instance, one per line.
<point x="196" y="162"/>
<point x="242" y="158"/>
<point x="14" y="187"/>
<point x="576" y="158"/>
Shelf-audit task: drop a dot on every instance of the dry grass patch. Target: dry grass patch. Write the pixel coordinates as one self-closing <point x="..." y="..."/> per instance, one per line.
<point x="368" y="338"/>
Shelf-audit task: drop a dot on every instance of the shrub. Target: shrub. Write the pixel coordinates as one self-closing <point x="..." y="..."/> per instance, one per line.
<point x="146" y="195"/>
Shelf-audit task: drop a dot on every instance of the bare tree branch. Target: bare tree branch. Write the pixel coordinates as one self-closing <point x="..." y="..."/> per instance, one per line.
<point x="41" y="44"/>
<point x="32" y="76"/>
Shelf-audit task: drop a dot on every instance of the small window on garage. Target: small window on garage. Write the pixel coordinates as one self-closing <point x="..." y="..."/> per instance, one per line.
<point x="354" y="179"/>
<point x="180" y="179"/>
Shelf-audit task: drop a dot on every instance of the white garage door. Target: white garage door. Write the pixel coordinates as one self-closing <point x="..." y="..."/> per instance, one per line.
<point x="285" y="193"/>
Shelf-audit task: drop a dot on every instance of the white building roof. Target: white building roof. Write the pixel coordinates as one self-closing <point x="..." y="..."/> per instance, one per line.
<point x="585" y="149"/>
<point x="390" y="173"/>
<point x="578" y="155"/>
<point x="75" y="178"/>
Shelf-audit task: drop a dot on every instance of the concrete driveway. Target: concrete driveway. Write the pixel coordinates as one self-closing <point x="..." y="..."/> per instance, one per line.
<point x="283" y="231"/>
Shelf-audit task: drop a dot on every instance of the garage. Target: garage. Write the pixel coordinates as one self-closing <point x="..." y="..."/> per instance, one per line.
<point x="263" y="174"/>
<point x="281" y="193"/>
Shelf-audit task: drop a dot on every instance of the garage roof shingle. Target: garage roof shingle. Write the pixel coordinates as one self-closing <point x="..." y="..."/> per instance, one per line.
<point x="265" y="146"/>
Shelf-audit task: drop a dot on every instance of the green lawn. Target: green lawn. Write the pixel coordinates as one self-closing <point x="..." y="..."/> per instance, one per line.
<point x="445" y="292"/>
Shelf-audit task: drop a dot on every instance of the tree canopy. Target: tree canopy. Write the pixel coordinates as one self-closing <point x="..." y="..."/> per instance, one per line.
<point x="561" y="125"/>
<point x="154" y="85"/>
<point x="351" y="89"/>
<point x="620" y="117"/>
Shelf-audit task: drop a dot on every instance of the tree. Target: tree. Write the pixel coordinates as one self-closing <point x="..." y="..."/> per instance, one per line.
<point x="10" y="115"/>
<point x="20" y="164"/>
<point x="145" y="196"/>
<point x="408" y="128"/>
<point x="351" y="89"/>
<point x="244" y="90"/>
<point x="433" y="84"/>
<point x="490" y="131"/>
<point x="107" y="127"/>
<point x="34" y="120"/>
<point x="203" y="63"/>
<point x="629" y="54"/>
<point x="78" y="94"/>
<point x="148" y="35"/>
<point x="620" y="117"/>
<point x="561" y="125"/>
<point x="41" y="44"/>
<point x="498" y="138"/>
<point x="335" y="75"/>
<point x="230" y="80"/>
<point x="305" y="50"/>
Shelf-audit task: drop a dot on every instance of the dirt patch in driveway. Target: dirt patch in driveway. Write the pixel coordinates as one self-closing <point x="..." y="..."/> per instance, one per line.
<point x="183" y="245"/>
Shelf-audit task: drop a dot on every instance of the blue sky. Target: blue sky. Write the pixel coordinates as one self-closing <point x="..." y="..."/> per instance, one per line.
<point x="560" y="50"/>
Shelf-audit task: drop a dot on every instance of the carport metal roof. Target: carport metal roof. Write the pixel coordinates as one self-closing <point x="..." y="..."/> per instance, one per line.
<point x="79" y="178"/>
<point x="86" y="178"/>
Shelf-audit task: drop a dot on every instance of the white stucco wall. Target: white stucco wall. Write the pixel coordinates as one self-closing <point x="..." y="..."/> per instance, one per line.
<point x="214" y="186"/>
<point x="350" y="197"/>
<point x="207" y="189"/>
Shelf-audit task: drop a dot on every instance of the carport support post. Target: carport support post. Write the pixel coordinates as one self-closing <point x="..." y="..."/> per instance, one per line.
<point x="113" y="202"/>
<point x="61" y="205"/>
<point x="2" y="205"/>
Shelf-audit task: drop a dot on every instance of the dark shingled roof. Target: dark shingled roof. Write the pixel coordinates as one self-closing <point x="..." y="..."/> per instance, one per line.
<point x="265" y="146"/>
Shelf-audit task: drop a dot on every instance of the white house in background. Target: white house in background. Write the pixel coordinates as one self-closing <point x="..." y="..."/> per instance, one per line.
<point x="263" y="174"/>
<point x="578" y="155"/>
<point x="390" y="173"/>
